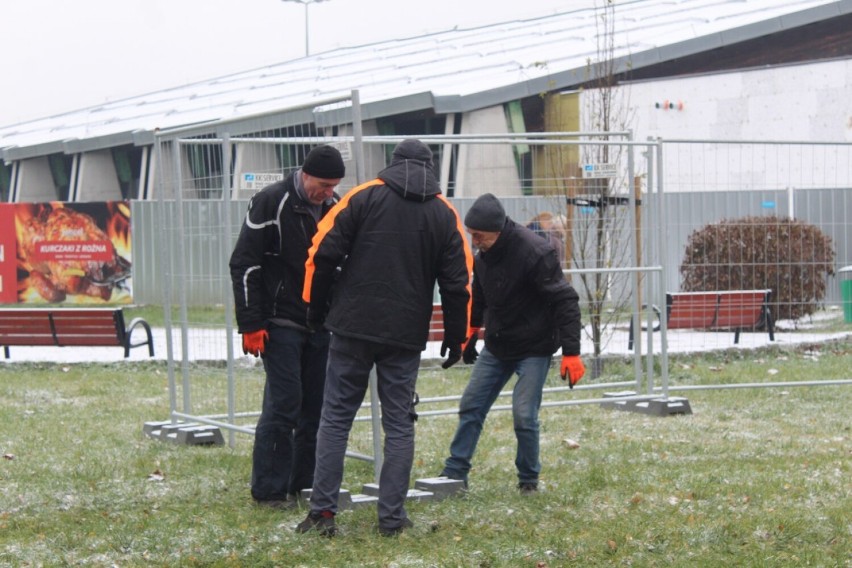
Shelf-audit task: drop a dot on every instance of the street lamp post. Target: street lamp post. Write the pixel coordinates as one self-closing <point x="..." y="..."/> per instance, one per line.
<point x="306" y="3"/>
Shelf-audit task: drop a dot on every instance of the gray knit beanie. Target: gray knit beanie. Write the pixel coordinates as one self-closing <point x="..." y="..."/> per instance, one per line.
<point x="324" y="162"/>
<point x="486" y="214"/>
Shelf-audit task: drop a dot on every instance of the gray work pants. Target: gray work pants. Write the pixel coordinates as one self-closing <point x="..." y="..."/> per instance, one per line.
<point x="347" y="378"/>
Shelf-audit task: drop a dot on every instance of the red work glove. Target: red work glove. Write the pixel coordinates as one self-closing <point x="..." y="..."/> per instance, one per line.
<point x="469" y="352"/>
<point x="254" y="342"/>
<point x="572" y="369"/>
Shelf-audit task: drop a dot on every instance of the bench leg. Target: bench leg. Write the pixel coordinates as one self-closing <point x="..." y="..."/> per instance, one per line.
<point x="149" y="340"/>
<point x="6" y="351"/>
<point x="736" y="336"/>
<point x="770" y="324"/>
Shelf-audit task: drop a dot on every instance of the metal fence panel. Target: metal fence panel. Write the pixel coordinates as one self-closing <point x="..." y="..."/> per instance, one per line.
<point x="195" y="238"/>
<point x="705" y="182"/>
<point x="689" y="186"/>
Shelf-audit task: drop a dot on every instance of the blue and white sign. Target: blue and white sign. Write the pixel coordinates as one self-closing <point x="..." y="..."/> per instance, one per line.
<point x="598" y="171"/>
<point x="254" y="182"/>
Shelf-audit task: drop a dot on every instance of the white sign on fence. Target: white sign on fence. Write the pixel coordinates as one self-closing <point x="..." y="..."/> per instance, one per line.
<point x="255" y="182"/>
<point x="598" y="171"/>
<point x="345" y="149"/>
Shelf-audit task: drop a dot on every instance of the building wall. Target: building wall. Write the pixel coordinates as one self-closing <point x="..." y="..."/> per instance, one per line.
<point x="796" y="102"/>
<point x="484" y="168"/>
<point x="35" y="181"/>
<point x="805" y="103"/>
<point x="97" y="179"/>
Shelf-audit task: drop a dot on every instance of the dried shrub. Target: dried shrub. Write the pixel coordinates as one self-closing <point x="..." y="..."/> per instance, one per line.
<point x="789" y="257"/>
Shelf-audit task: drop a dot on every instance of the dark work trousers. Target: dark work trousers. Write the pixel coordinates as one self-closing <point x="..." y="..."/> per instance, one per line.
<point x="286" y="434"/>
<point x="349" y="364"/>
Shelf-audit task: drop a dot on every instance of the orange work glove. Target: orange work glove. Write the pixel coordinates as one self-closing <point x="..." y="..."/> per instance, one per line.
<point x="254" y="342"/>
<point x="572" y="369"/>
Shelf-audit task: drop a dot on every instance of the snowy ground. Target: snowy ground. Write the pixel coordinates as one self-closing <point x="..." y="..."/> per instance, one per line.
<point x="211" y="344"/>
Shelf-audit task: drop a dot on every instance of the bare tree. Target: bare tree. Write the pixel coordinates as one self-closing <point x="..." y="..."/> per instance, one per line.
<point x="597" y="216"/>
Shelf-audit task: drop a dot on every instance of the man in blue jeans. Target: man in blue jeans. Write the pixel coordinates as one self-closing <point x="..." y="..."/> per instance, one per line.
<point x="529" y="311"/>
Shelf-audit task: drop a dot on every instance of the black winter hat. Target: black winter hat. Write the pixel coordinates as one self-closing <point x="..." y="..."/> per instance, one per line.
<point x="486" y="214"/>
<point x="324" y="162"/>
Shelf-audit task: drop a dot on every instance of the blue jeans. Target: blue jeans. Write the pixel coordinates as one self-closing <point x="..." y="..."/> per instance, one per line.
<point x="285" y="438"/>
<point x="349" y="363"/>
<point x="488" y="378"/>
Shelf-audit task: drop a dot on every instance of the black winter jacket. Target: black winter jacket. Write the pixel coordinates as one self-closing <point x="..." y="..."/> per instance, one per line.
<point x="268" y="261"/>
<point x="520" y="294"/>
<point x="392" y="238"/>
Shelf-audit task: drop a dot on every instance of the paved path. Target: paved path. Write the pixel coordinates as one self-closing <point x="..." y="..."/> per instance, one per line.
<point x="211" y="344"/>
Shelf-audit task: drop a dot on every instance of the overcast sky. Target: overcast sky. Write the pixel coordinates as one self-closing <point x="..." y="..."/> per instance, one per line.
<point x="62" y="55"/>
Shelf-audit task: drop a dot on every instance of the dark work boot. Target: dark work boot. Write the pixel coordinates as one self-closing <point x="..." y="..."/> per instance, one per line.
<point x="320" y="521"/>
<point x="406" y="524"/>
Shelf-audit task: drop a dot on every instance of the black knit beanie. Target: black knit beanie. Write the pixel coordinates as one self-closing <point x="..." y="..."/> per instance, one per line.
<point x="486" y="214"/>
<point x="324" y="162"/>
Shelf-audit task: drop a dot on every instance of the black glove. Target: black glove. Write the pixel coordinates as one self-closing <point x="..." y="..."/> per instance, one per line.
<point x="470" y="353"/>
<point x="455" y="354"/>
<point x="315" y="320"/>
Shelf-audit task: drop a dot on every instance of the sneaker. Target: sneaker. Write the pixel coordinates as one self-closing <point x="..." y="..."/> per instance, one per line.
<point x="277" y="504"/>
<point x="320" y="521"/>
<point x="528" y="487"/>
<point x="406" y="524"/>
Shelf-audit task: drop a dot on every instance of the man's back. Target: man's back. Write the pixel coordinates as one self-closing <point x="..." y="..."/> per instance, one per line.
<point x="398" y="237"/>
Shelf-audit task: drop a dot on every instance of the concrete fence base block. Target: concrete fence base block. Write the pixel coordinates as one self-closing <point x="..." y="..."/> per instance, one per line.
<point x="440" y="487"/>
<point x="201" y="435"/>
<point x="361" y="500"/>
<point x="651" y="405"/>
<point x="623" y="404"/>
<point x="419" y="495"/>
<point x="153" y="429"/>
<point x="187" y="433"/>
<point x="369" y="496"/>
<point x="344" y="499"/>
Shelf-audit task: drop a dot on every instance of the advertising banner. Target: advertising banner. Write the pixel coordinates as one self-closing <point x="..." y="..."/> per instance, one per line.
<point x="8" y="262"/>
<point x="70" y="253"/>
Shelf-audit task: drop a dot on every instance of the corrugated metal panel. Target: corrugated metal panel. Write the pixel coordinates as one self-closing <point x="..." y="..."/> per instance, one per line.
<point x="483" y="66"/>
<point x="205" y="267"/>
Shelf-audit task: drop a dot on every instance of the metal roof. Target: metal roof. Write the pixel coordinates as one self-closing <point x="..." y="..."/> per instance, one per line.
<point x="452" y="71"/>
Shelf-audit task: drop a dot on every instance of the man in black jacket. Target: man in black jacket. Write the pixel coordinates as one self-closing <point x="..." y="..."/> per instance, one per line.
<point x="370" y="276"/>
<point x="529" y="311"/>
<point x="268" y="272"/>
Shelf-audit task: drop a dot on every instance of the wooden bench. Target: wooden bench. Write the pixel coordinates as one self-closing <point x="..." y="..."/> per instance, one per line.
<point x="721" y="310"/>
<point x="436" y="325"/>
<point x="61" y="327"/>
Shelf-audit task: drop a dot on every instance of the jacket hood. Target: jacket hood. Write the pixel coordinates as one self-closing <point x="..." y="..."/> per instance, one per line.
<point x="411" y="172"/>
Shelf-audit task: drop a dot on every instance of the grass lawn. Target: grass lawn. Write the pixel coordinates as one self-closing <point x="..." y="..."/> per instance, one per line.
<point x="754" y="477"/>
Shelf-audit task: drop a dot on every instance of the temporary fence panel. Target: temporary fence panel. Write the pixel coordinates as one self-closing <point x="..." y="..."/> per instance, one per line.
<point x="733" y="211"/>
<point x="199" y="236"/>
<point x="622" y="224"/>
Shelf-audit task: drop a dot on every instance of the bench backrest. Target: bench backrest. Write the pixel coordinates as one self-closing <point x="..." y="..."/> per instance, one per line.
<point x="738" y="309"/>
<point x="741" y="308"/>
<point x="436" y="324"/>
<point x="62" y="326"/>
<point x="692" y="310"/>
